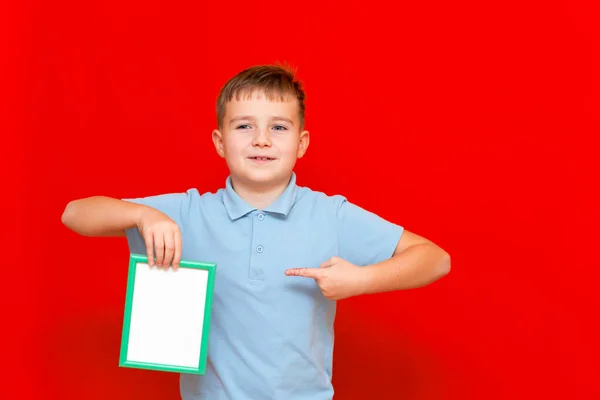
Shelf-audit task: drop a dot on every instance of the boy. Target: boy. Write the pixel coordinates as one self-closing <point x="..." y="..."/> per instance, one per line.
<point x="284" y="253"/>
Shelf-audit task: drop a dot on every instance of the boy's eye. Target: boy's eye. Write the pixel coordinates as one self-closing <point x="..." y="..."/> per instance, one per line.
<point x="279" y="128"/>
<point x="244" y="126"/>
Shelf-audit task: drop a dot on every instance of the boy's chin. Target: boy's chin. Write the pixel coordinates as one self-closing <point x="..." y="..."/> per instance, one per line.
<point x="266" y="177"/>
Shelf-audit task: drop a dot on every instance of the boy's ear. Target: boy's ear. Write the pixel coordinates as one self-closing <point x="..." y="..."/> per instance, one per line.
<point x="304" y="142"/>
<point x="217" y="138"/>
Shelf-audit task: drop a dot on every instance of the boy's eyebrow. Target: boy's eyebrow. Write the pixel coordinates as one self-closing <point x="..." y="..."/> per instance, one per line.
<point x="239" y="118"/>
<point x="247" y="117"/>
<point x="284" y="119"/>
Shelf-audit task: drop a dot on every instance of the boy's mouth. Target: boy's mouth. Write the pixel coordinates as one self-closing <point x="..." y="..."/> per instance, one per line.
<point x="260" y="158"/>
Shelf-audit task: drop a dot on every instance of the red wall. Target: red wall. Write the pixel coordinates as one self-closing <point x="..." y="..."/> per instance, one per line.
<point x="471" y="123"/>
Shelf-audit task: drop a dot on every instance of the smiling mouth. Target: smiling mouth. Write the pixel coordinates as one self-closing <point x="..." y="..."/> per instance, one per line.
<point x="262" y="158"/>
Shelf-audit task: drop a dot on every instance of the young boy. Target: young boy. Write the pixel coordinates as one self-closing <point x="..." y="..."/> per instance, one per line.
<point x="284" y="253"/>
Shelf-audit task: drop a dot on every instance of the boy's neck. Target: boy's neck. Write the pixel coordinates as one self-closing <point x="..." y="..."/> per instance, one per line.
<point x="259" y="196"/>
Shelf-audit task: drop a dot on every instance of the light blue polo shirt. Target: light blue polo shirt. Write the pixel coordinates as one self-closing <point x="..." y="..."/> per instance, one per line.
<point x="271" y="335"/>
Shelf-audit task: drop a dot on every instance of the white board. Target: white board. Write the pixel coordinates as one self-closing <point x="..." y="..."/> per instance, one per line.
<point x="167" y="316"/>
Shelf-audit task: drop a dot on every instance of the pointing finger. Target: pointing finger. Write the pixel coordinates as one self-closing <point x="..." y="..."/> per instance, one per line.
<point x="305" y="272"/>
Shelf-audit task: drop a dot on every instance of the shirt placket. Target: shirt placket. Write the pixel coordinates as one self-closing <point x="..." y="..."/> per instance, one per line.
<point x="256" y="273"/>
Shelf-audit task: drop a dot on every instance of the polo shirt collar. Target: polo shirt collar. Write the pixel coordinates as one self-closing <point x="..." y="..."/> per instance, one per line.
<point x="237" y="207"/>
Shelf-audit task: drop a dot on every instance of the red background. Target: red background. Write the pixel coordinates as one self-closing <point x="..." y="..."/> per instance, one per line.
<point x="471" y="123"/>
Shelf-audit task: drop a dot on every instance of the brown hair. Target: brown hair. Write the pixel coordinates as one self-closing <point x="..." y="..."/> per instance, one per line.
<point x="275" y="81"/>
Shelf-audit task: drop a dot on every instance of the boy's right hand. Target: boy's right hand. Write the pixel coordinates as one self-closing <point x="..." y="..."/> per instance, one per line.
<point x="161" y="235"/>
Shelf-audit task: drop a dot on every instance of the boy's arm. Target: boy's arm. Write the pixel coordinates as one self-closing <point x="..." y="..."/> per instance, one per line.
<point x="104" y="216"/>
<point x="101" y="216"/>
<point x="375" y="256"/>
<point x="389" y="257"/>
<point x="416" y="262"/>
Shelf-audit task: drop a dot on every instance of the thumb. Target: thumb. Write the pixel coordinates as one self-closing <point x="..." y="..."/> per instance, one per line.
<point x="314" y="273"/>
<point x="330" y="263"/>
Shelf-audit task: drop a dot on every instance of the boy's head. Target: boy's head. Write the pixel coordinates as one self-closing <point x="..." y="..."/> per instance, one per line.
<point x="260" y="117"/>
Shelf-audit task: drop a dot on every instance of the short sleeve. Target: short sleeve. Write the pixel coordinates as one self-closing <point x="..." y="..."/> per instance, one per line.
<point x="174" y="205"/>
<point x="364" y="237"/>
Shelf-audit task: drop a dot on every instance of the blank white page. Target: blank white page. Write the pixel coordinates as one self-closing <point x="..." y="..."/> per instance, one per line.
<point x="167" y="315"/>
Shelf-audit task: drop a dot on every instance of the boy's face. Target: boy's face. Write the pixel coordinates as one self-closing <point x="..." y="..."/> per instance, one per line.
<point x="261" y="139"/>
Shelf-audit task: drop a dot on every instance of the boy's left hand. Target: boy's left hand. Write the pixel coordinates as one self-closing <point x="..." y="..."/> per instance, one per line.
<point x="337" y="278"/>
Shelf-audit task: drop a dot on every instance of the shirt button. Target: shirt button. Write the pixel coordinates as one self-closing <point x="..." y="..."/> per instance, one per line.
<point x="259" y="249"/>
<point x="261" y="217"/>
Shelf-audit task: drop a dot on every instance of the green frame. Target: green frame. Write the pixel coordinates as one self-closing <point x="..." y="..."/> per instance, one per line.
<point x="134" y="259"/>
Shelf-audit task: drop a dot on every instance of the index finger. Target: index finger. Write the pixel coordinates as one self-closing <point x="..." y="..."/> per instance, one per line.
<point x="305" y="272"/>
<point x="177" y="257"/>
<point x="149" y="247"/>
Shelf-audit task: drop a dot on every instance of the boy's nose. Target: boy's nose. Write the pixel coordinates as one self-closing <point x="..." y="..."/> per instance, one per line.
<point x="262" y="138"/>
